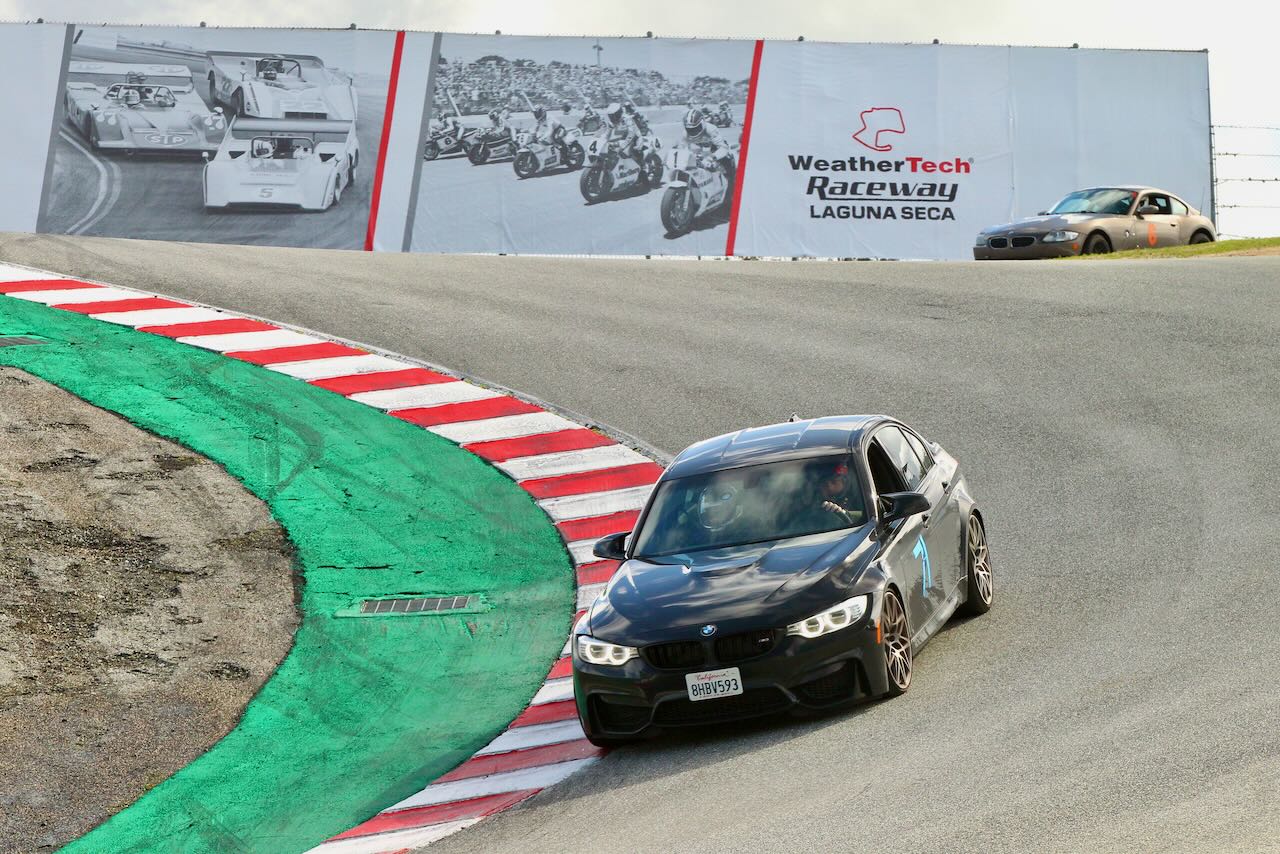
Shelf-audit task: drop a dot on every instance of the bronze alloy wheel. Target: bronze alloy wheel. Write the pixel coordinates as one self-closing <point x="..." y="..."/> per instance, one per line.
<point x="977" y="564"/>
<point x="896" y="639"/>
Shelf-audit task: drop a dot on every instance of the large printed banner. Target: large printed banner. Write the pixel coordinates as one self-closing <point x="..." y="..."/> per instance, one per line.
<point x="428" y="142"/>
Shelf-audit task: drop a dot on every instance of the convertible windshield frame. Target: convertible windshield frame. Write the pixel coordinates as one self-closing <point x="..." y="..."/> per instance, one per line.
<point x="727" y="508"/>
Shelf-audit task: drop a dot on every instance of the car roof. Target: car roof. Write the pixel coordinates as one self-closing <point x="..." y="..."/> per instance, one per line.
<point x="1137" y="188"/>
<point x="772" y="443"/>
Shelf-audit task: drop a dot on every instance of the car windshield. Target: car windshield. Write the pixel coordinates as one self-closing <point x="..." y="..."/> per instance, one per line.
<point x="1106" y="201"/>
<point x="734" y="507"/>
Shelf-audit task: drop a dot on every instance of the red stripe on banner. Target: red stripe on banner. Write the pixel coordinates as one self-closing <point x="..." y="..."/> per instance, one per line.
<point x="44" y="285"/>
<point x="500" y="450"/>
<point x="562" y="668"/>
<point x="386" y="136"/>
<point x="209" y="327"/>
<point x="382" y="380"/>
<point x="437" y="814"/>
<point x="601" y="480"/>
<point x="140" y="304"/>
<point x="296" y="353"/>
<point x="474" y="410"/>
<point x="598" y="526"/>
<point x="742" y="157"/>
<point x="549" y="754"/>
<point x="561" y="710"/>
<point x="597" y="572"/>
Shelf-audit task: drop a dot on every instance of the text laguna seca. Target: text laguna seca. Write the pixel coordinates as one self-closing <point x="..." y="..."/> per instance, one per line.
<point x="901" y="199"/>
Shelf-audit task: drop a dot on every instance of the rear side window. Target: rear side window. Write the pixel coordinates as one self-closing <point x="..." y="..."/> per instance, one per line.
<point x="904" y="459"/>
<point x="926" y="458"/>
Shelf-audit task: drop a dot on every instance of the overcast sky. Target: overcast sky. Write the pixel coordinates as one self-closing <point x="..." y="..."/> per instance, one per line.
<point x="1239" y="34"/>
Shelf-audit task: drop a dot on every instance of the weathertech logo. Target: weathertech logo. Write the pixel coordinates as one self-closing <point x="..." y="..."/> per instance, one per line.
<point x="914" y="188"/>
<point x="876" y="122"/>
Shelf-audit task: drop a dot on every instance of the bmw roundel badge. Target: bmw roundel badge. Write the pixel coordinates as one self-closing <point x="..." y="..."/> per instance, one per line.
<point x="708" y="630"/>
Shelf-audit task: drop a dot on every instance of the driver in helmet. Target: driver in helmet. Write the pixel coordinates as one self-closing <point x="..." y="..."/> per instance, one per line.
<point x="724" y="114"/>
<point x="832" y="497"/>
<point x="132" y="97"/>
<point x="702" y="137"/>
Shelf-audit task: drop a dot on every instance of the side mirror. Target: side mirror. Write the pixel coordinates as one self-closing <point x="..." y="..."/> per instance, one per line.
<point x="901" y="505"/>
<point x="614" y="546"/>
<point x="1042" y="213"/>
<point x="1148" y="210"/>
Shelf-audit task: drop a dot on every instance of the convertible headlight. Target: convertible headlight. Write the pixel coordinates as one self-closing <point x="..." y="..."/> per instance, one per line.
<point x="1060" y="237"/>
<point x="603" y="652"/>
<point x="834" y="619"/>
<point x="981" y="241"/>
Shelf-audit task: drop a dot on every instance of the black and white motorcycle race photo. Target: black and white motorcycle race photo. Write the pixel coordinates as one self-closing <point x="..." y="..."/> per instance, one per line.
<point x="580" y="145"/>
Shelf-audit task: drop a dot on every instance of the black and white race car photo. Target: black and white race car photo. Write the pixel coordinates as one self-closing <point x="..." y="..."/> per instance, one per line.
<point x="796" y="566"/>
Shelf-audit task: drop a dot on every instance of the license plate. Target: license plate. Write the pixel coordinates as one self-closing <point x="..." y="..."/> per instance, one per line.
<point x="710" y="684"/>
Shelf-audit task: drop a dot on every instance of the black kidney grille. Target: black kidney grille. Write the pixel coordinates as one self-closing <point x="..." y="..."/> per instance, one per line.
<point x="1020" y="242"/>
<point x="673" y="656"/>
<point x="745" y="646"/>
<point x="998" y="242"/>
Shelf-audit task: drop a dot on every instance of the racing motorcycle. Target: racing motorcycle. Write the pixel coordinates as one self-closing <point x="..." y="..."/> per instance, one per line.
<point x="444" y="142"/>
<point x="489" y="145"/>
<point x="535" y="155"/>
<point x="698" y="186"/>
<point x="610" y="171"/>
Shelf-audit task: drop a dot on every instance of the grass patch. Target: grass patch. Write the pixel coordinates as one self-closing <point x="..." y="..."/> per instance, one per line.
<point x="1268" y="245"/>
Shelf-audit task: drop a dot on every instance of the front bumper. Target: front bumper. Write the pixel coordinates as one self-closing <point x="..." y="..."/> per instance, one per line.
<point x="139" y="142"/>
<point x="797" y="673"/>
<point x="1035" y="251"/>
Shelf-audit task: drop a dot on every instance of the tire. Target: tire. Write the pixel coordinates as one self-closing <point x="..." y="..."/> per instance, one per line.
<point x="351" y="174"/>
<point x="611" y="743"/>
<point x="677" y="210"/>
<point x="1200" y="237"/>
<point x="653" y="169"/>
<point x="95" y="141"/>
<point x="1097" y="244"/>
<point x="977" y="566"/>
<point x="896" y="641"/>
<point x="525" y="164"/>
<point x="478" y="154"/>
<point x="577" y="156"/>
<point x="430" y="151"/>
<point x="237" y="103"/>
<point x="213" y="92"/>
<point x="591" y="184"/>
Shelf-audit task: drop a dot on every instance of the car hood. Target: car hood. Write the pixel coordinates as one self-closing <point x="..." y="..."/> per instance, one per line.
<point x="1046" y="223"/>
<point x="763" y="584"/>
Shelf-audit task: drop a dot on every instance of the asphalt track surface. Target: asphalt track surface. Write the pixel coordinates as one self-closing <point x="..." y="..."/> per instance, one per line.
<point x="547" y="213"/>
<point x="161" y="198"/>
<point x="1118" y="422"/>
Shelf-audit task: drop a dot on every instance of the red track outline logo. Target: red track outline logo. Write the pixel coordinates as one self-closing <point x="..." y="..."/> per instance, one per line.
<point x="879" y="121"/>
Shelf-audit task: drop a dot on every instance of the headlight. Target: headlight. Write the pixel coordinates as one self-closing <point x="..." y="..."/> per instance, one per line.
<point x="1060" y="236"/>
<point x="603" y="652"/>
<point x="981" y="241"/>
<point x="834" y="619"/>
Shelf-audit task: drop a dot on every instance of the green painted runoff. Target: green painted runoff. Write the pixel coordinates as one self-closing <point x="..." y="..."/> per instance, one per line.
<point x="362" y="712"/>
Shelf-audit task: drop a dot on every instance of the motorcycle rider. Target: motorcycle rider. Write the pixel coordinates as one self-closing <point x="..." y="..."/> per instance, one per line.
<point x="549" y="129"/>
<point x="702" y="137"/>
<point x="724" y="115"/>
<point x="625" y="133"/>
<point x="497" y="125"/>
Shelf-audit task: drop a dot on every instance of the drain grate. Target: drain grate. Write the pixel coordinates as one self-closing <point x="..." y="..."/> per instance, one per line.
<point x="434" y="604"/>
<point x="16" y="340"/>
<point x="414" y="606"/>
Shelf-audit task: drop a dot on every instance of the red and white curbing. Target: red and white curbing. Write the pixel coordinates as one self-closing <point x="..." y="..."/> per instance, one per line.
<point x="588" y="484"/>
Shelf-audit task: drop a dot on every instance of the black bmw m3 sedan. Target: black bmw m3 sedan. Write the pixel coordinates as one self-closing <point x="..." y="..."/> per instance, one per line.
<point x="796" y="566"/>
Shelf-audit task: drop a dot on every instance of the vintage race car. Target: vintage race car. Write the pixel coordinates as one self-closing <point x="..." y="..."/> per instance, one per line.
<point x="281" y="86"/>
<point x="140" y="108"/>
<point x="302" y="163"/>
